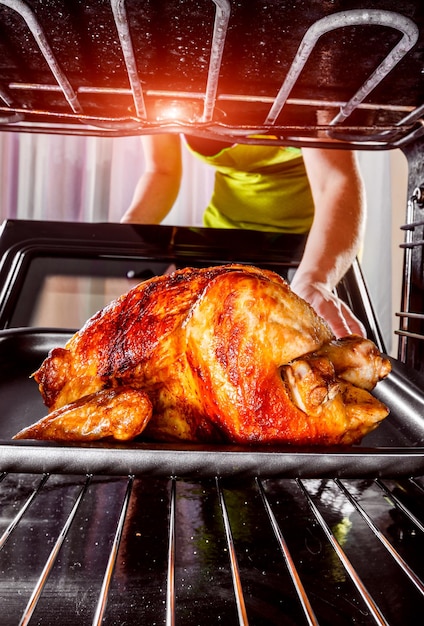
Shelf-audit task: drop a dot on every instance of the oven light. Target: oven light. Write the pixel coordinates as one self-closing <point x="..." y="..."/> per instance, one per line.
<point x="176" y="111"/>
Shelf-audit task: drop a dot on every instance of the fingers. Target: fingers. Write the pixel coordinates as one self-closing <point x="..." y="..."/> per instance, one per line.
<point x="336" y="313"/>
<point x="340" y="318"/>
<point x="354" y="324"/>
<point x="341" y="321"/>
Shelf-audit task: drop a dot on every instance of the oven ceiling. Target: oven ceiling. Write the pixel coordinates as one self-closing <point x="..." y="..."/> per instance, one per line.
<point x="321" y="72"/>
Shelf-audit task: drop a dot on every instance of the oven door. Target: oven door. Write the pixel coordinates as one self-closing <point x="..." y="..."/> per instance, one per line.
<point x="59" y="274"/>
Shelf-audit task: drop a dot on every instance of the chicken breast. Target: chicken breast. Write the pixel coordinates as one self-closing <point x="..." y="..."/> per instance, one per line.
<point x="226" y="353"/>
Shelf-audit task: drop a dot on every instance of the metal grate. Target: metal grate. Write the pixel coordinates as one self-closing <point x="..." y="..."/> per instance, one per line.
<point x="125" y="550"/>
<point x="411" y="318"/>
<point x="411" y="324"/>
<point x="103" y="74"/>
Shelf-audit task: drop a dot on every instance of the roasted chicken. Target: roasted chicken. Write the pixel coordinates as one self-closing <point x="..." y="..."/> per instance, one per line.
<point x="226" y="354"/>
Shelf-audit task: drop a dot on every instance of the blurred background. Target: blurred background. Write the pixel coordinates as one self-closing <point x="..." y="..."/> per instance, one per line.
<point x="92" y="179"/>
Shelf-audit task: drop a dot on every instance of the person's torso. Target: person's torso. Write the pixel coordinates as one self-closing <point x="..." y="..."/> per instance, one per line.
<point x="261" y="187"/>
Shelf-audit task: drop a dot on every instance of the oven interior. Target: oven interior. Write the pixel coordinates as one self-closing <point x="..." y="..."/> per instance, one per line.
<point x="167" y="534"/>
<point x="344" y="72"/>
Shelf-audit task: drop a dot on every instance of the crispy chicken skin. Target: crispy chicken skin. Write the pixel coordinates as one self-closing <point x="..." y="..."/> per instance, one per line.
<point x="226" y="353"/>
<point x="119" y="414"/>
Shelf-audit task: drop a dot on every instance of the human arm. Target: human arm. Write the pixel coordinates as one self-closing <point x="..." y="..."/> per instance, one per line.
<point x="335" y="235"/>
<point x="158" y="187"/>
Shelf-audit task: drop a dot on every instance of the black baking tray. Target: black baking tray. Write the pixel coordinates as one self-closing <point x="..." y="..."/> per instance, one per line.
<point x="396" y="448"/>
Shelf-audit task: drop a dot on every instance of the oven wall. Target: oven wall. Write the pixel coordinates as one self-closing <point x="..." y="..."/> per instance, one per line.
<point x="385" y="176"/>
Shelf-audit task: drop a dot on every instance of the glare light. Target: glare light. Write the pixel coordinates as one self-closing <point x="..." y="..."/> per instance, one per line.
<point x="175" y="111"/>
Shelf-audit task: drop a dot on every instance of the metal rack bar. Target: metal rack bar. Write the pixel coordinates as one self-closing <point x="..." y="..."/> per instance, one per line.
<point x="414" y="316"/>
<point x="399" y="505"/>
<point x="407" y="334"/>
<point x="101" y="605"/>
<point x="235" y="572"/>
<point x="6" y="534"/>
<point x="170" y="589"/>
<point x="37" y="32"/>
<point x="222" y="16"/>
<point x="372" y="606"/>
<point x="419" y="243"/>
<point x="26" y="617"/>
<point x="12" y="117"/>
<point x="413" y="113"/>
<point x="303" y="598"/>
<point x="388" y="546"/>
<point x="121" y="22"/>
<point x="406" y="295"/>
<point x="332" y="22"/>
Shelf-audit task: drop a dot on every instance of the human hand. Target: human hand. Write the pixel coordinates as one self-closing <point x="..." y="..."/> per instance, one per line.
<point x="337" y="314"/>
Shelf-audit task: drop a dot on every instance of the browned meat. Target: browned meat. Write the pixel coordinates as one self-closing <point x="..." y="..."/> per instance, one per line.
<point x="228" y="353"/>
<point x="120" y="414"/>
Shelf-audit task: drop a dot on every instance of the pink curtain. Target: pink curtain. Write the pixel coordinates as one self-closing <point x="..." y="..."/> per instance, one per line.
<point x="73" y="178"/>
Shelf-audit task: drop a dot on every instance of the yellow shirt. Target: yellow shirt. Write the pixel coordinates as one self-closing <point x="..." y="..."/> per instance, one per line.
<point x="259" y="187"/>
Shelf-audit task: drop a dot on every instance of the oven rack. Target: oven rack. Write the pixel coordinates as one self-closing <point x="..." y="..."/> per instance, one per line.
<point x="411" y="317"/>
<point x="134" y="549"/>
<point x="72" y="105"/>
